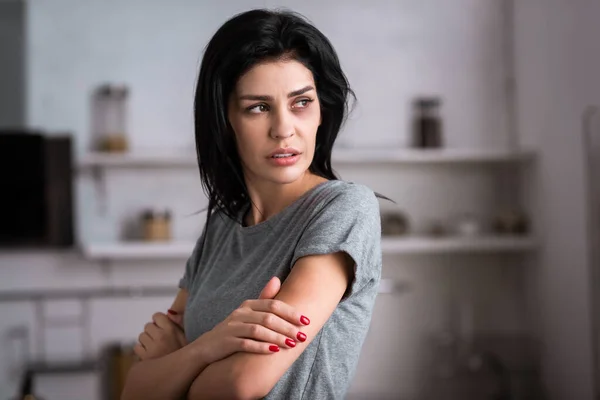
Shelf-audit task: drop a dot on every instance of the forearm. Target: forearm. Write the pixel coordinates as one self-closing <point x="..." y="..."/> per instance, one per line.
<point x="226" y="379"/>
<point x="167" y="377"/>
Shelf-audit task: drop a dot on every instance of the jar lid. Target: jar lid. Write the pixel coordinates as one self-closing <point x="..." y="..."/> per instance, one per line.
<point x="109" y="90"/>
<point x="427" y="102"/>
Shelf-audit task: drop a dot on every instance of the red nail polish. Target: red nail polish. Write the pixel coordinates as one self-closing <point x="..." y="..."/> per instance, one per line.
<point x="301" y="336"/>
<point x="290" y="342"/>
<point x="274" y="348"/>
<point x="172" y="312"/>
<point x="304" y="320"/>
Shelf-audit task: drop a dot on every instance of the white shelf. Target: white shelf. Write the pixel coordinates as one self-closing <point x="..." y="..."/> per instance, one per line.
<point x="340" y="156"/>
<point x="412" y="245"/>
<point x="453" y="245"/>
<point x="138" y="250"/>
<point x="429" y="156"/>
<point x="137" y="160"/>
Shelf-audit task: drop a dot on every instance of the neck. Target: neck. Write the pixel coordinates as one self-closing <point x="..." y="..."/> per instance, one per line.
<point x="270" y="198"/>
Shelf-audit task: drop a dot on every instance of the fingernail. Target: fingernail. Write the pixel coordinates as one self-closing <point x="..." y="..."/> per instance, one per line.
<point x="274" y="348"/>
<point x="304" y="320"/>
<point x="172" y="312"/>
<point x="290" y="342"/>
<point x="301" y="336"/>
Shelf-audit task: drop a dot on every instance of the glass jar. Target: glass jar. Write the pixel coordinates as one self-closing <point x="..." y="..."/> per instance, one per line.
<point x="156" y="225"/>
<point x="111" y="118"/>
<point x="427" y="124"/>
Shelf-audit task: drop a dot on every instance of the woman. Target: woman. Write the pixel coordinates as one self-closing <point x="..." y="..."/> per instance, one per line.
<point x="270" y="100"/>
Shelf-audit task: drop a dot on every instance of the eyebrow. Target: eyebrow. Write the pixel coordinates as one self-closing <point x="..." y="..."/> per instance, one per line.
<point x="270" y="98"/>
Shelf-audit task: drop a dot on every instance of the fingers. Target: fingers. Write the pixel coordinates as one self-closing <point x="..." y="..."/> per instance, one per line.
<point x="278" y="308"/>
<point x="162" y="321"/>
<point x="145" y="340"/>
<point x="282" y="328"/>
<point x="271" y="289"/>
<point x="268" y="335"/>
<point x="252" y="346"/>
<point x="139" y="351"/>
<point x="278" y="318"/>
<point x="152" y="330"/>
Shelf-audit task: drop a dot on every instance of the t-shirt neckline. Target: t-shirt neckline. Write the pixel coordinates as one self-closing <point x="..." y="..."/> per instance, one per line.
<point x="261" y="226"/>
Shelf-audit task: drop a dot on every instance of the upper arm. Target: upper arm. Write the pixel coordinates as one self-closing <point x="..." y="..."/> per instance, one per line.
<point x="180" y="301"/>
<point x="192" y="265"/>
<point x="314" y="287"/>
<point x="338" y="254"/>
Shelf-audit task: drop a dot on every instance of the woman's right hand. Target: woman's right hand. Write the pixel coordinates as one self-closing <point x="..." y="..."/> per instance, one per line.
<point x="260" y="326"/>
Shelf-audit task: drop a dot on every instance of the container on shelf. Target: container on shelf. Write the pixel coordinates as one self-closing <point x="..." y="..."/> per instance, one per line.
<point x="435" y="228"/>
<point x="427" y="123"/>
<point x="511" y="222"/>
<point x="394" y="224"/>
<point x="110" y="118"/>
<point x="156" y="226"/>
<point x="468" y="225"/>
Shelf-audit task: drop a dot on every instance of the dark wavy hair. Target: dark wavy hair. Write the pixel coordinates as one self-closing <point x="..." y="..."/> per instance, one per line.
<point x="244" y="41"/>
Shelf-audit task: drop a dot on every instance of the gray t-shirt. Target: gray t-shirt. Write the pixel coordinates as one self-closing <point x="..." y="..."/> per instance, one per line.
<point x="237" y="262"/>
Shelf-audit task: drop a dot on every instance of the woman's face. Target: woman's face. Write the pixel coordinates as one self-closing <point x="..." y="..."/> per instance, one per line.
<point x="275" y="113"/>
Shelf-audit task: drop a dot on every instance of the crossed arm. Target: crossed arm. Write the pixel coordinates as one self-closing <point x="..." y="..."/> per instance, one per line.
<point x="315" y="286"/>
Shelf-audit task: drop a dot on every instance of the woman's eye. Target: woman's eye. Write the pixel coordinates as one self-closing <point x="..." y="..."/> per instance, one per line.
<point x="257" y="109"/>
<point x="302" y="103"/>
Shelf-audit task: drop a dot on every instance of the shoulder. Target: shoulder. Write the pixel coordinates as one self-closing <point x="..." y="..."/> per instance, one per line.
<point x="362" y="194"/>
<point x="217" y="223"/>
<point x="219" y="220"/>
<point x="343" y="196"/>
<point x="341" y="207"/>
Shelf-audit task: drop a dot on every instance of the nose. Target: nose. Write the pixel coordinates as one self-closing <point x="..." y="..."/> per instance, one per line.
<point x="282" y="126"/>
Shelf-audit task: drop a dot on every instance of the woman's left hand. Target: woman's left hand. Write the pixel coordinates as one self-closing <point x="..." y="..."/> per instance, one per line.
<point x="160" y="337"/>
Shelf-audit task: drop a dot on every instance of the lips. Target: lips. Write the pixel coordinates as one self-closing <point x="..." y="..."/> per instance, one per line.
<point x="284" y="153"/>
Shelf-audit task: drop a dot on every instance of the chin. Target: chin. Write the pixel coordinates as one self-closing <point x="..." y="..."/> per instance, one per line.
<point x="285" y="179"/>
<point x="286" y="176"/>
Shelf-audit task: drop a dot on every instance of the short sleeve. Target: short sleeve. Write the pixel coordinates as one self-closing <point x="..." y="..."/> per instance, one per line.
<point x="191" y="266"/>
<point x="349" y="222"/>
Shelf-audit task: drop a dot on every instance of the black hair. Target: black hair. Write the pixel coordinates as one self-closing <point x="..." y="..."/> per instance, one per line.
<point x="239" y="44"/>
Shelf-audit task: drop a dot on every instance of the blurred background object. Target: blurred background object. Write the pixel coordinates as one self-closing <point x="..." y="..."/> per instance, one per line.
<point x="469" y="116"/>
<point x="157" y="225"/>
<point x="12" y="58"/>
<point x="511" y="222"/>
<point x="110" y="118"/>
<point x="118" y="359"/>
<point x="36" y="180"/>
<point x="469" y="225"/>
<point x="394" y="224"/>
<point x="427" y="123"/>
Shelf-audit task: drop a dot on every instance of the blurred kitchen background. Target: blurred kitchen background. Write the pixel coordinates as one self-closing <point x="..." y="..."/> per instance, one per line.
<point x="478" y="117"/>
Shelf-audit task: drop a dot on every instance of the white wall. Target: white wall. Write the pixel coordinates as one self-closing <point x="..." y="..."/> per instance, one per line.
<point x="558" y="60"/>
<point x="391" y="52"/>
